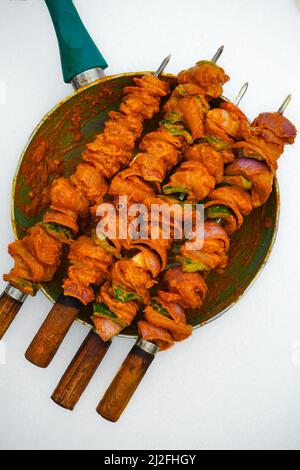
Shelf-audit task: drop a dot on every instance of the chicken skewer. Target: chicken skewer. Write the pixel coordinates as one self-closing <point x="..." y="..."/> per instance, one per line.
<point x="67" y="393"/>
<point x="69" y="380"/>
<point x="41" y="351"/>
<point x="86" y="186"/>
<point x="116" y="398"/>
<point x="194" y="179"/>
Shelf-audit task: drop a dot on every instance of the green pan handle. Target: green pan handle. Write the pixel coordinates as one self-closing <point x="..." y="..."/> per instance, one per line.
<point x="78" y="51"/>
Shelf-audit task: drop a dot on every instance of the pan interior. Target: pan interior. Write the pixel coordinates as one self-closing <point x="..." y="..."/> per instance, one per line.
<point x="55" y="149"/>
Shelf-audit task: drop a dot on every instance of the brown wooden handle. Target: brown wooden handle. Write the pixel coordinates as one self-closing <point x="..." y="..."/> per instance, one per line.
<point x="80" y="371"/>
<point x="127" y="380"/>
<point x="48" y="339"/>
<point x="9" y="307"/>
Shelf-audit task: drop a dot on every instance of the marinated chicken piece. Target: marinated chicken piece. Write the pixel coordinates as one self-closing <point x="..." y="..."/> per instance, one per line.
<point x="190" y="287"/>
<point x="68" y="201"/>
<point x="227" y="122"/>
<point x="154" y="167"/>
<point x="208" y="76"/>
<point x="255" y="172"/>
<point x="128" y="184"/>
<point x="124" y="311"/>
<point x="258" y="148"/>
<point x="234" y="198"/>
<point x="62" y="219"/>
<point x="159" y="336"/>
<point x="65" y="198"/>
<point x="108" y="159"/>
<point x="90" y="183"/>
<point x="192" y="109"/>
<point x="126" y="274"/>
<point x="208" y="157"/>
<point x="269" y="133"/>
<point x="160" y="153"/>
<point x="132" y="123"/>
<point x="169" y="301"/>
<point x="160" y="139"/>
<point x="213" y="254"/>
<point x="147" y="260"/>
<point x="161" y="315"/>
<point x="233" y="110"/>
<point x="111" y="316"/>
<point x="276" y="123"/>
<point x="220" y="146"/>
<point x="37" y="257"/>
<point x="106" y="328"/>
<point x="44" y="247"/>
<point x="158" y="245"/>
<point x="153" y="85"/>
<point x="89" y="265"/>
<point x="193" y="179"/>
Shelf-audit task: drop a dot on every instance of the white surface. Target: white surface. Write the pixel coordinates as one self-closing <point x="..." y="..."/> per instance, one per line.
<point x="236" y="383"/>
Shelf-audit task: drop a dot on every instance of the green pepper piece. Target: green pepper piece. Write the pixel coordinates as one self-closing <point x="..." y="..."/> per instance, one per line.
<point x="175" y="189"/>
<point x="124" y="296"/>
<point x="172" y="118"/>
<point x="61" y="233"/>
<point x="217" y="143"/>
<point x="157" y="306"/>
<point x="219" y="212"/>
<point x="100" y="240"/>
<point x="192" y="266"/>
<point x="178" y="130"/>
<point x="102" y="311"/>
<point x="239" y="181"/>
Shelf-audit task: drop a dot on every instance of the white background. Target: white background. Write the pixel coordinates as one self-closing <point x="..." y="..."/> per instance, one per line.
<point x="236" y="383"/>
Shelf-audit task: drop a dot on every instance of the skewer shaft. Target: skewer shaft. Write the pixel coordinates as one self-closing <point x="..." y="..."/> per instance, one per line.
<point x="241" y="94"/>
<point x="162" y="66"/>
<point x="218" y="54"/>
<point x="285" y="104"/>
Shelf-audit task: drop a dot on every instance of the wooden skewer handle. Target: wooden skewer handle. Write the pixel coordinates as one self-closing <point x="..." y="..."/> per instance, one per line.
<point x="127" y="380"/>
<point x="48" y="339"/>
<point x="10" y="303"/>
<point x="80" y="371"/>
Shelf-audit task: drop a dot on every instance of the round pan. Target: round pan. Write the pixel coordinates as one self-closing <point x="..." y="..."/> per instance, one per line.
<point x="55" y="148"/>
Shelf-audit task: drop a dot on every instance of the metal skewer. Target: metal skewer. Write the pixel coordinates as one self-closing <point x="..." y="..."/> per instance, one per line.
<point x="241" y="94"/>
<point x="218" y="54"/>
<point x="285" y="104"/>
<point x="162" y="66"/>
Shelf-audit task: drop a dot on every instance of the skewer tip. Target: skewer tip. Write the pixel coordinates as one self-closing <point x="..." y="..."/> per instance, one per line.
<point x="163" y="65"/>
<point x="285" y="104"/>
<point x="218" y="54"/>
<point x="241" y="93"/>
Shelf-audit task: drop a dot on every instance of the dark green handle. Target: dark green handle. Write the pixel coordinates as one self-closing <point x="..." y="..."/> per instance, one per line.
<point x="78" y="51"/>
